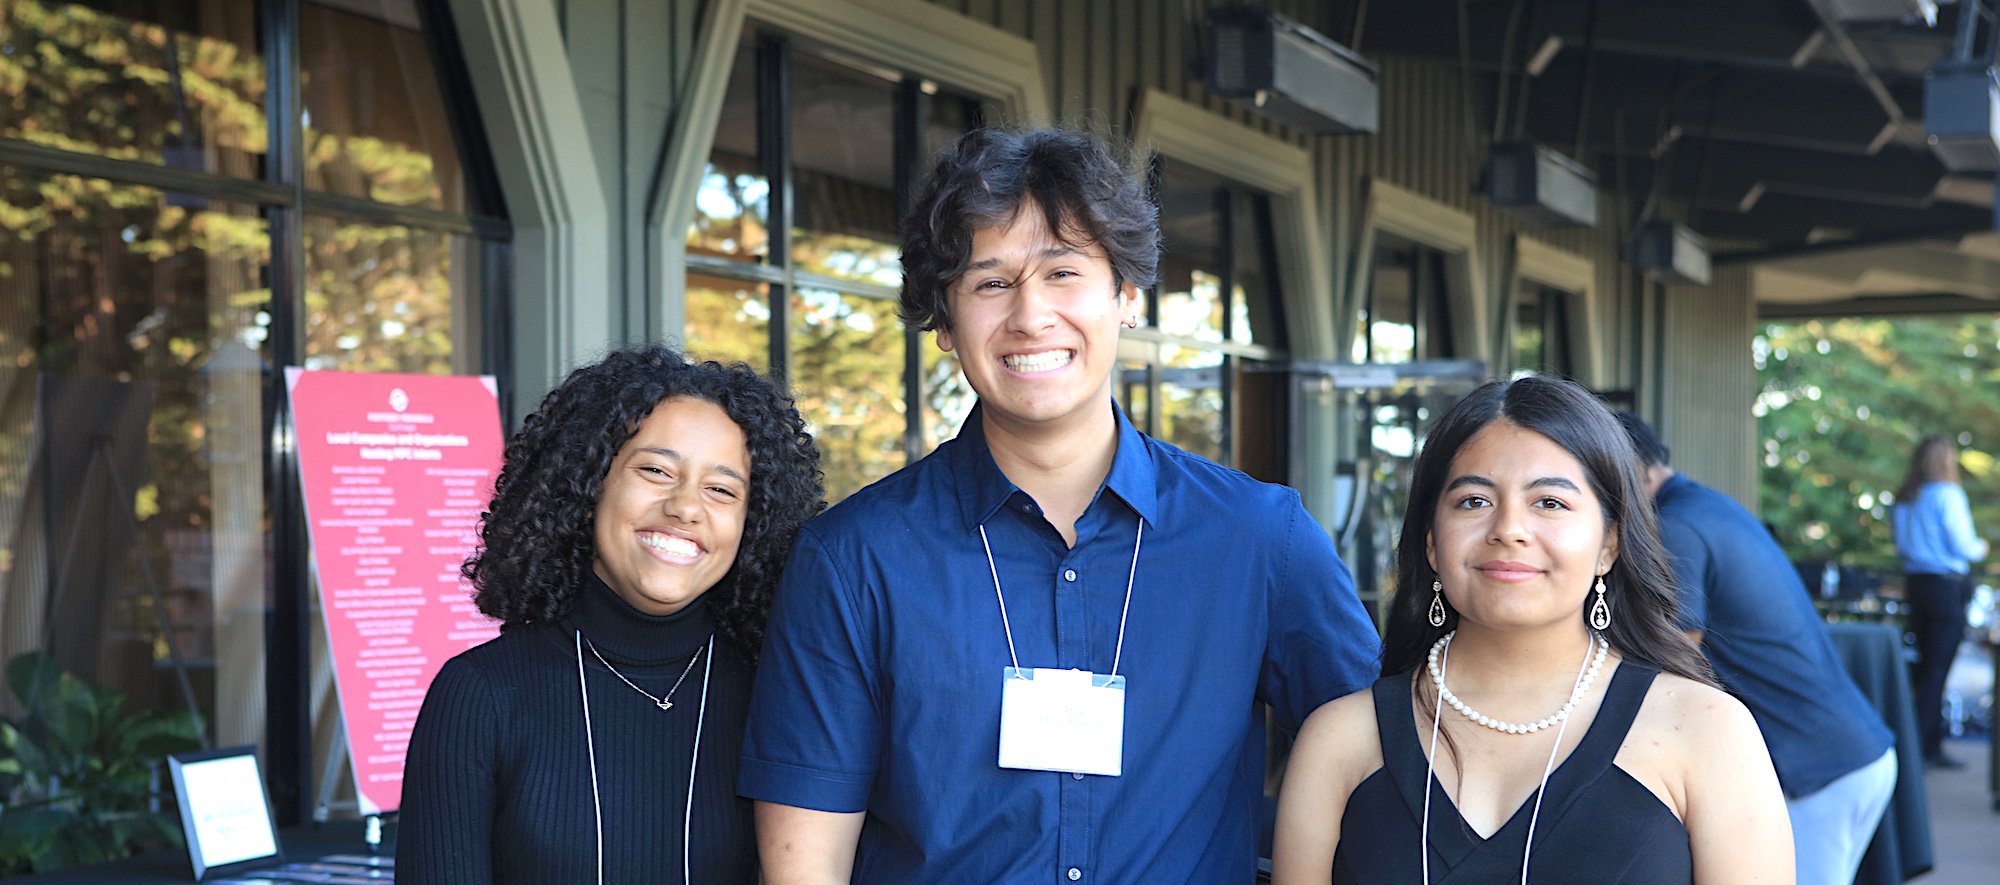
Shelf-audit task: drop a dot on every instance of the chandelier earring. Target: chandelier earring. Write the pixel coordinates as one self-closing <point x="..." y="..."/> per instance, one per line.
<point x="1600" y="613"/>
<point x="1437" y="603"/>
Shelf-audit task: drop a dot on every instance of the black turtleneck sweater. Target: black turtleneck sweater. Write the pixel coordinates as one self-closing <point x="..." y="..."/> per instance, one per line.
<point x="498" y="787"/>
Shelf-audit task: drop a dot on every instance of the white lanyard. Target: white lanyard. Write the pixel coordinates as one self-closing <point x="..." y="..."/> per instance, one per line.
<point x="1430" y="767"/>
<point x="694" y="762"/>
<point x="1119" y="653"/>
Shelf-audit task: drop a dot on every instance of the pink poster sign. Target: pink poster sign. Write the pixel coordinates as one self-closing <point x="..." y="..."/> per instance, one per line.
<point x="396" y="470"/>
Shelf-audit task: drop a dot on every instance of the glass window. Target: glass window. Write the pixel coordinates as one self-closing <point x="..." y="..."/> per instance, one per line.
<point x="947" y="398"/>
<point x="1541" y="330"/>
<point x="375" y="120"/>
<point x="832" y="276"/>
<point x="844" y="172"/>
<point x="1192" y="403"/>
<point x="1218" y="293"/>
<point x="729" y="320"/>
<point x="389" y="298"/>
<point x="132" y="533"/>
<point x="733" y="207"/>
<point x="847" y="363"/>
<point x="1134" y="391"/>
<point x="1392" y="311"/>
<point x="1256" y="302"/>
<point x="179" y="84"/>
<point x="1407" y="315"/>
<point x="946" y="117"/>
<point x="1192" y="264"/>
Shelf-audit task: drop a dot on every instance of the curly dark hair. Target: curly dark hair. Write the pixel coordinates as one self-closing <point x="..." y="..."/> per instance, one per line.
<point x="983" y="179"/>
<point x="1641" y="580"/>
<point x="537" y="537"/>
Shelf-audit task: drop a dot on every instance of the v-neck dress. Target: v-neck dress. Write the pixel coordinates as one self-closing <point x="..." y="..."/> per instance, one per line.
<point x="1598" y="824"/>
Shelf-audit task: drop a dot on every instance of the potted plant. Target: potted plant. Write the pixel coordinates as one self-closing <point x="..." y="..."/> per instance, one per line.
<point x="79" y="778"/>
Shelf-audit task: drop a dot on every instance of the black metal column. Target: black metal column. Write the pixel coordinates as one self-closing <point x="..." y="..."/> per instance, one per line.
<point x="287" y="640"/>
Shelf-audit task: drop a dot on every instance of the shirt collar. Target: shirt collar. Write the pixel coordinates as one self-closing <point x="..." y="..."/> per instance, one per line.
<point x="1672" y="486"/>
<point x="982" y="489"/>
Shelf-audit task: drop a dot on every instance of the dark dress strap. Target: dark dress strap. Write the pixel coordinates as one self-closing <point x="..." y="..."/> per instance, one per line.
<point x="1612" y="805"/>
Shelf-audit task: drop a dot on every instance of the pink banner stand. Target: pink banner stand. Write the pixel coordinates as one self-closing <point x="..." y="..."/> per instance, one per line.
<point x="396" y="470"/>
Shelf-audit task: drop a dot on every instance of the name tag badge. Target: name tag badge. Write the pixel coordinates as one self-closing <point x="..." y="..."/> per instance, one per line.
<point x="1062" y="720"/>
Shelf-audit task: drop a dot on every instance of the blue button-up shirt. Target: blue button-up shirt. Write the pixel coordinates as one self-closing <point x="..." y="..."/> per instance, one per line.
<point x="1767" y="644"/>
<point x="880" y="684"/>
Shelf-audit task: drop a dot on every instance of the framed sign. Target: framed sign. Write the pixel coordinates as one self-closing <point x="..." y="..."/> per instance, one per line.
<point x="224" y="811"/>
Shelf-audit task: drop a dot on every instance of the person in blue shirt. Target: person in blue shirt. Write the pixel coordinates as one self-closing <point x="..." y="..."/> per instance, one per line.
<point x="1033" y="655"/>
<point x="1935" y="540"/>
<point x="1743" y="602"/>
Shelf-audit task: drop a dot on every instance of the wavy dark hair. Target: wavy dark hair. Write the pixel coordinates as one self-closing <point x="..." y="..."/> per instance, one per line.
<point x="537" y="538"/>
<point x="1934" y="460"/>
<point x="1085" y="193"/>
<point x="1640" y="585"/>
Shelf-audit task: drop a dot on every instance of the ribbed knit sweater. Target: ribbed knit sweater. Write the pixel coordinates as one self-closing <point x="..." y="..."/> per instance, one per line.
<point x="498" y="784"/>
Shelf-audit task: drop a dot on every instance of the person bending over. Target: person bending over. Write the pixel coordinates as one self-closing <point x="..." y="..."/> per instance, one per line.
<point x="1742" y="601"/>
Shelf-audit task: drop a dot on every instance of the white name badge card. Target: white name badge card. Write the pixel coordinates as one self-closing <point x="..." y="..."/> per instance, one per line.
<point x="1062" y="720"/>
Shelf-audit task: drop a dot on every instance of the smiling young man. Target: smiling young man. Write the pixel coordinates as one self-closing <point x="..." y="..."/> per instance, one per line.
<point x="1034" y="653"/>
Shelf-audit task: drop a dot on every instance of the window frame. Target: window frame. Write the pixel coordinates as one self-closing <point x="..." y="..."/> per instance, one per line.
<point x="280" y="194"/>
<point x="1575" y="276"/>
<point x="775" y="50"/>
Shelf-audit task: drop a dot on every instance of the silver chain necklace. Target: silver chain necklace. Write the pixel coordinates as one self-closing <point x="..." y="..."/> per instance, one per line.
<point x="664" y="702"/>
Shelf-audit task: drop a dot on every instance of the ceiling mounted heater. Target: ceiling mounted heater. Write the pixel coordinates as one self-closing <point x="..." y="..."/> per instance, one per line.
<point x="1290" y="73"/>
<point x="1670" y="252"/>
<point x="1962" y="115"/>
<point x="1545" y="187"/>
<point x="1883" y="10"/>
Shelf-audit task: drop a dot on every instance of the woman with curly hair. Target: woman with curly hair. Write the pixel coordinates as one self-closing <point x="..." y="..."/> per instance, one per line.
<point x="635" y="535"/>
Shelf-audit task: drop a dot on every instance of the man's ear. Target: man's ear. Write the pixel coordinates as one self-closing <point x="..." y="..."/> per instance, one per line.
<point x="1130" y="305"/>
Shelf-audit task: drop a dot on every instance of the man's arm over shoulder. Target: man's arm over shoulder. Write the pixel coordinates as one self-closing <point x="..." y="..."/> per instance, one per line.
<point x="1321" y="644"/>
<point x="811" y="746"/>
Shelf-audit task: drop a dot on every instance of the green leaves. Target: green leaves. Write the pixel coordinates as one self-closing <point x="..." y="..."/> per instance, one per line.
<point x="1841" y="405"/>
<point x="77" y="775"/>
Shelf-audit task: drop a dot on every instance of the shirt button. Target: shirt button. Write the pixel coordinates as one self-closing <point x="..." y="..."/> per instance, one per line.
<point x="1075" y="874"/>
<point x="1069" y="574"/>
<point x="1076" y="775"/>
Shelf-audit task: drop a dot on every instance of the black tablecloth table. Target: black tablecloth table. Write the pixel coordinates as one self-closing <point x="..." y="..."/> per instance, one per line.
<point x="1873" y="655"/>
<point x="298" y="843"/>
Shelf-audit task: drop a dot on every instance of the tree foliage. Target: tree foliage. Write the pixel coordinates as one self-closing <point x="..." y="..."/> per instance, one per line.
<point x="1841" y="405"/>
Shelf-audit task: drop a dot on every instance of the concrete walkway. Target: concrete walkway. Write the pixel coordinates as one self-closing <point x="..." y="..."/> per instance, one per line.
<point x="1965" y="830"/>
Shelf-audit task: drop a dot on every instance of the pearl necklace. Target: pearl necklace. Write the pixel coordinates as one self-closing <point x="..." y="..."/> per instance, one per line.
<point x="1549" y="721"/>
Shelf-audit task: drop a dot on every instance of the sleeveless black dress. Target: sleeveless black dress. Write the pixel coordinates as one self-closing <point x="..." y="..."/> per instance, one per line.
<point x="1598" y="824"/>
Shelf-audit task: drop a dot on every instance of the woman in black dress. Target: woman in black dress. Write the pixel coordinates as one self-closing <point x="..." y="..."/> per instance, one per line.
<point x="634" y="538"/>
<point x="1539" y="718"/>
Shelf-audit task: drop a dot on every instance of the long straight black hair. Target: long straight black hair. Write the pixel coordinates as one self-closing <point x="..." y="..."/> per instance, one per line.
<point x="1639" y="587"/>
